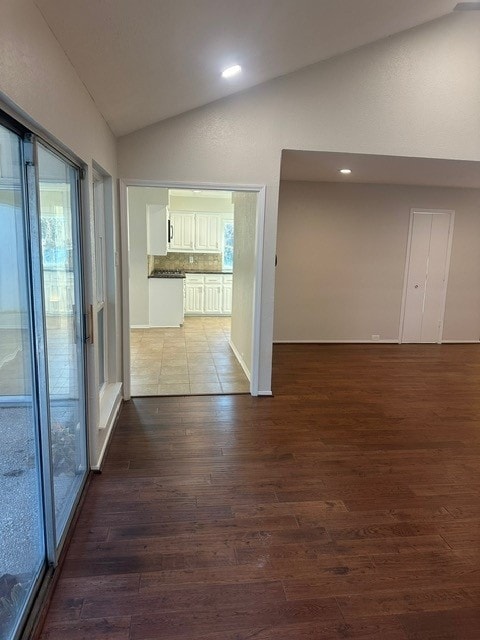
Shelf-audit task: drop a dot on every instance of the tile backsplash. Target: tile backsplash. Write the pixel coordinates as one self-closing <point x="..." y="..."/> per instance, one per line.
<point x="201" y="262"/>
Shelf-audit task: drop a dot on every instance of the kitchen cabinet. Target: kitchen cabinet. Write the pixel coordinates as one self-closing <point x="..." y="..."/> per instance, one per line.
<point x="194" y="294"/>
<point x="207" y="232"/>
<point x="208" y="294"/>
<point x="213" y="295"/>
<point x="157" y="234"/>
<point x="182" y="230"/>
<point x="195" y="232"/>
<point x="227" y="294"/>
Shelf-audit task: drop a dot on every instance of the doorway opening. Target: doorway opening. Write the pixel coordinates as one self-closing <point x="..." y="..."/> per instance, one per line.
<point x="192" y="287"/>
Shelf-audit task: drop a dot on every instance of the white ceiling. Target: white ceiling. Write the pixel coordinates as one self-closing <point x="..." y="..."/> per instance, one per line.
<point x="313" y="166"/>
<point x="146" y="60"/>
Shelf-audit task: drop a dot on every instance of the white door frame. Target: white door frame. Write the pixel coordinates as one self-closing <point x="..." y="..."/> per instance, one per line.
<point x="257" y="295"/>
<point x="413" y="211"/>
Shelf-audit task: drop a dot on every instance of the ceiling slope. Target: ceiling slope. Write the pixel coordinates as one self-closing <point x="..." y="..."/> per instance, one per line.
<point x="147" y="60"/>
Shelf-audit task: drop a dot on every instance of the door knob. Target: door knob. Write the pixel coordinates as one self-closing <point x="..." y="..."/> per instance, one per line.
<point x="416" y="286"/>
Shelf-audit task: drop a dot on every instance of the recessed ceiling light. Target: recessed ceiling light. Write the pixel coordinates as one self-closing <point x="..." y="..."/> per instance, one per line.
<point x="197" y="191"/>
<point x="231" y="71"/>
<point x="345" y="171"/>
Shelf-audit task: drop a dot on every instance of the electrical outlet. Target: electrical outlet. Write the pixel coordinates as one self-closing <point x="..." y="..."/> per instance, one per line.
<point x="190" y="259"/>
<point x="375" y="337"/>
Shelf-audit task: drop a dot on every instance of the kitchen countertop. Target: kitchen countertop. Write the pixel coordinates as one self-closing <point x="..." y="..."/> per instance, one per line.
<point x="176" y="273"/>
<point x="167" y="274"/>
<point x="216" y="273"/>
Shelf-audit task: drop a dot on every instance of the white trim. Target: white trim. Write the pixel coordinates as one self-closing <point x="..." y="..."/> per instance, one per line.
<point x="111" y="423"/>
<point x="109" y="404"/>
<point x="461" y="341"/>
<point x="335" y="342"/>
<point x="140" y="326"/>
<point x="260" y="232"/>
<point x="125" y="275"/>
<point x="240" y="360"/>
<point x="257" y="291"/>
<point x="413" y="211"/>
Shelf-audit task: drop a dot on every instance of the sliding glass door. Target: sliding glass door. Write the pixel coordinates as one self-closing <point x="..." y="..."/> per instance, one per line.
<point x="58" y="213"/>
<point x="22" y="539"/>
<point x="43" y="460"/>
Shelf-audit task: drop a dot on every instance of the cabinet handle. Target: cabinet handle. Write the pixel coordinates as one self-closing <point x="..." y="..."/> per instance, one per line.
<point x="170" y="231"/>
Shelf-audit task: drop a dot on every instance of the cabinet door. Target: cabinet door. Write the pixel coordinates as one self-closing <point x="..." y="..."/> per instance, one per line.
<point x="213" y="298"/>
<point x="227" y="298"/>
<point x="207" y="232"/>
<point x="183" y="238"/>
<point x="194" y="296"/>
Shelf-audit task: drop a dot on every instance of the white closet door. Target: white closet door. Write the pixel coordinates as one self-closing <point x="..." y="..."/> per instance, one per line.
<point x="424" y="305"/>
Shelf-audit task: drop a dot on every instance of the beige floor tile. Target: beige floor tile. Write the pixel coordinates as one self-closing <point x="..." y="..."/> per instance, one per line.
<point x="197" y="347"/>
<point x="171" y="378"/>
<point x="228" y="368"/>
<point x="233" y="377"/>
<point x="200" y="359"/>
<point x="174" y="370"/>
<point x="195" y="358"/>
<point x="205" y="387"/>
<point x="235" y="387"/>
<point x="173" y="389"/>
<point x="203" y="377"/>
<point x="198" y="368"/>
<point x="144" y="390"/>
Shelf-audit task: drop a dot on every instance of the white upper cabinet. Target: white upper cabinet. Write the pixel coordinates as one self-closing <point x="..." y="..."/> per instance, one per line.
<point x="207" y="232"/>
<point x="182" y="231"/>
<point x="195" y="232"/>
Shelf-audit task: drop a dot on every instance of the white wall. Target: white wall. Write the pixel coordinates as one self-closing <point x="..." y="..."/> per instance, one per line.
<point x="209" y="205"/>
<point x="414" y="94"/>
<point x="38" y="83"/>
<point x="341" y="260"/>
<point x="244" y="250"/>
<point x="138" y="198"/>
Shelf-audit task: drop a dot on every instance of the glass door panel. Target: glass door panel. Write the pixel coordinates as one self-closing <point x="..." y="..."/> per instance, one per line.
<point x="58" y="211"/>
<point x="22" y="542"/>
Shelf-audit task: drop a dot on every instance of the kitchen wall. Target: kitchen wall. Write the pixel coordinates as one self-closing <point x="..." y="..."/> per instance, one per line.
<point x="39" y="84"/>
<point x="209" y="205"/>
<point x="137" y="199"/>
<point x="341" y="260"/>
<point x="244" y="251"/>
<point x="412" y="94"/>
<point x="201" y="262"/>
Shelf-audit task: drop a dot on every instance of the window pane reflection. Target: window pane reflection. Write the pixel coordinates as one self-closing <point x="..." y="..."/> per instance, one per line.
<point x="22" y="548"/>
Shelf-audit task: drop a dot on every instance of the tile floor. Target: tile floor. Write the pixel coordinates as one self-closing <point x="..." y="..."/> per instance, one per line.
<point x="195" y="359"/>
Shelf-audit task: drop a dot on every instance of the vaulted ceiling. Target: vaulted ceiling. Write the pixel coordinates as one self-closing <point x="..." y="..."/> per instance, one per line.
<point x="146" y="60"/>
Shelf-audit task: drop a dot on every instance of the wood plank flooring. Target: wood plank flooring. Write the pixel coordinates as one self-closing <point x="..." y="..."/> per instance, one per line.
<point x="345" y="507"/>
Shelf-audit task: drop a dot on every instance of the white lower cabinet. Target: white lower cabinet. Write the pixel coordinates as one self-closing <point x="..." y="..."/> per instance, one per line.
<point x="227" y="295"/>
<point x="208" y="294"/>
<point x="194" y="298"/>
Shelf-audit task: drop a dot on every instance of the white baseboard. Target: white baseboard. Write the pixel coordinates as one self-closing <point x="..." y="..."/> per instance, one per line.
<point x="110" y="421"/>
<point x="335" y="341"/>
<point x="139" y="326"/>
<point x="265" y="393"/>
<point x="240" y="359"/>
<point x="460" y="341"/>
<point x="109" y="404"/>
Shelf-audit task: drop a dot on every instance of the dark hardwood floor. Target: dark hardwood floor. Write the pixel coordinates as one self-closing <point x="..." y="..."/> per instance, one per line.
<point x="345" y="507"/>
